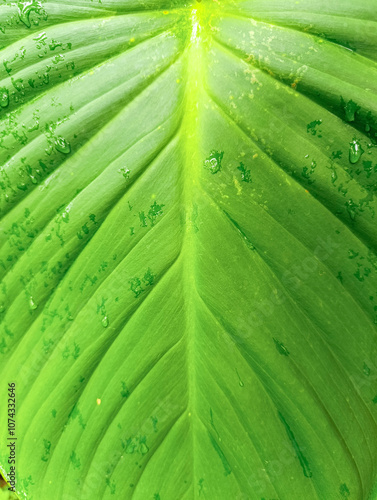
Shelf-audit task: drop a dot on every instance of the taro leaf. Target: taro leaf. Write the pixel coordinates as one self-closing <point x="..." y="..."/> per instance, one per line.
<point x="188" y="248"/>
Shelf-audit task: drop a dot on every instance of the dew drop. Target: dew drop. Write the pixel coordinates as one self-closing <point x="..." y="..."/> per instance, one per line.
<point x="240" y="382"/>
<point x="281" y="348"/>
<point x="351" y="108"/>
<point x="143" y="448"/>
<point x="213" y="162"/>
<point x="25" y="8"/>
<point x="130" y="448"/>
<point x="355" y="151"/>
<point x="4" y="98"/>
<point x="62" y="145"/>
<point x="352" y="254"/>
<point x="366" y="370"/>
<point x="105" y="322"/>
<point x="32" y="304"/>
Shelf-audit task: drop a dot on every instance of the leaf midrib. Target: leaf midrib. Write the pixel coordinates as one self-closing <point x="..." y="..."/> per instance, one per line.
<point x="190" y="181"/>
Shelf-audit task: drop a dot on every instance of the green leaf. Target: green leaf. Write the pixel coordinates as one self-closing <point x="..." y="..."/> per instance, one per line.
<point x="188" y="262"/>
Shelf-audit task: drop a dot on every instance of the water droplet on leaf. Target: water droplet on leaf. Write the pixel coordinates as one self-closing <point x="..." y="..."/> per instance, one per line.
<point x="213" y="162"/>
<point x="281" y="348"/>
<point x="143" y="448"/>
<point x="4" y="98"/>
<point x="350" y="109"/>
<point x="32" y="304"/>
<point x="62" y="145"/>
<point x="25" y="9"/>
<point x="355" y="151"/>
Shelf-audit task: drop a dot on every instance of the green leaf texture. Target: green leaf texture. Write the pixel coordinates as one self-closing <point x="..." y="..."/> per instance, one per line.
<point x="188" y="262"/>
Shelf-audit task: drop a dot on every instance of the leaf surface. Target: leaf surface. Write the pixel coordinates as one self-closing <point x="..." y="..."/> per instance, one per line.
<point x="188" y="248"/>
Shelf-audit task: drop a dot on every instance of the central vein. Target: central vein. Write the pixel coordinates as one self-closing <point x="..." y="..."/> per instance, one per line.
<point x="191" y="178"/>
